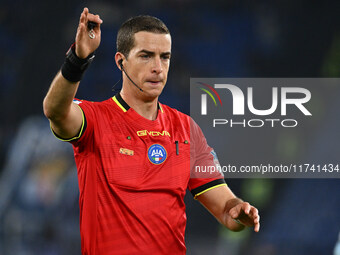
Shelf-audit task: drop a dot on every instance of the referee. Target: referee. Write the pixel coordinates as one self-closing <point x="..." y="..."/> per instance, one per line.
<point x="134" y="155"/>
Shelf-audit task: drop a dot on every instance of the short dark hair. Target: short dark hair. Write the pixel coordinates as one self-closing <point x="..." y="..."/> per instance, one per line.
<point x="125" y="37"/>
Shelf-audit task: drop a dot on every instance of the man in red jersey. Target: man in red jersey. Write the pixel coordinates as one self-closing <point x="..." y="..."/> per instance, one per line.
<point x="134" y="154"/>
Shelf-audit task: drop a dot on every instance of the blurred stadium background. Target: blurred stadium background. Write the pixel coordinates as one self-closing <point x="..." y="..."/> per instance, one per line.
<point x="38" y="179"/>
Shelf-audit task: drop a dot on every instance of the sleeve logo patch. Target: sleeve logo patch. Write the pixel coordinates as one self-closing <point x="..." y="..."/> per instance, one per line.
<point x="76" y="101"/>
<point x="216" y="162"/>
<point x="157" y="154"/>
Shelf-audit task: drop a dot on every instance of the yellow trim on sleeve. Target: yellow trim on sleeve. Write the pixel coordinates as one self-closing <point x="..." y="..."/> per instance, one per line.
<point x="218" y="185"/>
<point x="116" y="101"/>
<point x="73" y="138"/>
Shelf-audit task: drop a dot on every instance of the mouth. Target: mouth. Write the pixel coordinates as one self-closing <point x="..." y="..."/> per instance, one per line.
<point x="154" y="82"/>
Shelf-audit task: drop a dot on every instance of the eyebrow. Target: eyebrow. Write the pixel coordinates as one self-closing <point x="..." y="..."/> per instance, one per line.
<point x="153" y="53"/>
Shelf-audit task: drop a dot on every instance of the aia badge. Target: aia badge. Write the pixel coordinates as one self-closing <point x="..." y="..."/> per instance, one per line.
<point x="157" y="154"/>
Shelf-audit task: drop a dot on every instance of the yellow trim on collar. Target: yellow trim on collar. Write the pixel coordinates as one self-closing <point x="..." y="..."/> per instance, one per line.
<point x="117" y="102"/>
<point x="160" y="107"/>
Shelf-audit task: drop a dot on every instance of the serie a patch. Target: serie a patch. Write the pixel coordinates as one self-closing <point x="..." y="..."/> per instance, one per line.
<point x="157" y="154"/>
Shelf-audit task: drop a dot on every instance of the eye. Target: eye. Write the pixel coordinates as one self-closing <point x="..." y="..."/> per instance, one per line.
<point x="166" y="57"/>
<point x="145" y="56"/>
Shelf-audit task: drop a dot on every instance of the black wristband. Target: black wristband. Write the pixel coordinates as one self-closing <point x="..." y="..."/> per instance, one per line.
<point x="74" y="67"/>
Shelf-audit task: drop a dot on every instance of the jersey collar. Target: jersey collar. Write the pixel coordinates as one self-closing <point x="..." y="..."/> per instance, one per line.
<point x="124" y="106"/>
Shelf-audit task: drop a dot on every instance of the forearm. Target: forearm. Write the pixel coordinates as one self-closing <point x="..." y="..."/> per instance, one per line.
<point x="227" y="208"/>
<point x="58" y="100"/>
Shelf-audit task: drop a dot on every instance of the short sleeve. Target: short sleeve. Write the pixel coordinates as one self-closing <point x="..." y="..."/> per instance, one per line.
<point x="89" y="119"/>
<point x="205" y="171"/>
<point x="87" y="123"/>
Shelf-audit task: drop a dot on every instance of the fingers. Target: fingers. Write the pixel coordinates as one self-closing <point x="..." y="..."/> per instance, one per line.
<point x="82" y="23"/>
<point x="83" y="28"/>
<point x="83" y="16"/>
<point x="246" y="208"/>
<point x="239" y="209"/>
<point x="86" y="16"/>
<point x="254" y="214"/>
<point x="257" y="224"/>
<point x="247" y="214"/>
<point x="95" y="18"/>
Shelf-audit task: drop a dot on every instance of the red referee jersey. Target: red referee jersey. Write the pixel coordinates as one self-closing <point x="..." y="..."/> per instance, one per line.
<point x="133" y="174"/>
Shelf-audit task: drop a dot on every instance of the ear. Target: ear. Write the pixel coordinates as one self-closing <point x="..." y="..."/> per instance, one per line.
<point x="119" y="58"/>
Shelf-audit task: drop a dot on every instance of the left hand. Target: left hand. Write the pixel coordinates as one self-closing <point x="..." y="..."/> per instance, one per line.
<point x="247" y="214"/>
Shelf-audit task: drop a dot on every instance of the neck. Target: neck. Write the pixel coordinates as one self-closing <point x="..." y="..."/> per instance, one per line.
<point x="147" y="108"/>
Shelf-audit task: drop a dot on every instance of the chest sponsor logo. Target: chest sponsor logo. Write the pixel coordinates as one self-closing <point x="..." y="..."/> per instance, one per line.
<point x="157" y="154"/>
<point x="152" y="133"/>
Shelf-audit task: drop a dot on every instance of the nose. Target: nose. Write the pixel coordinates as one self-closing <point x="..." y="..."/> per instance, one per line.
<point x="157" y="66"/>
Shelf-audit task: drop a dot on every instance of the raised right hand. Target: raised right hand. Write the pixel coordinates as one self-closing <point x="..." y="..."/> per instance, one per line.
<point x="84" y="44"/>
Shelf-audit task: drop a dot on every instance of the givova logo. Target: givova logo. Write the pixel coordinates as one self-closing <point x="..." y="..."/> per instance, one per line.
<point x="301" y="97"/>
